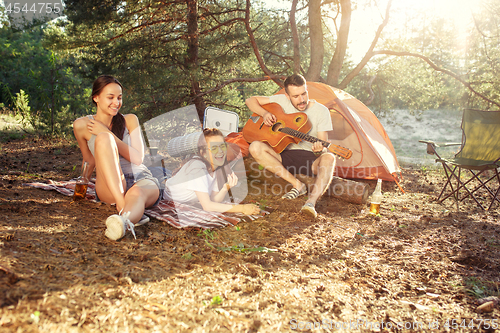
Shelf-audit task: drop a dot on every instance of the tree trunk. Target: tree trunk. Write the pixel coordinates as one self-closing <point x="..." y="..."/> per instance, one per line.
<point x="316" y="37"/>
<point x="53" y="106"/>
<point x="341" y="46"/>
<point x="349" y="190"/>
<point x="193" y="33"/>
<point x="295" y="38"/>
<point x="192" y="56"/>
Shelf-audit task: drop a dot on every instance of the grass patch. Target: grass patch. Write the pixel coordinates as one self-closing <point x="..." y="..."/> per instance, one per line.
<point x="481" y="289"/>
<point x="242" y="248"/>
<point x="6" y="136"/>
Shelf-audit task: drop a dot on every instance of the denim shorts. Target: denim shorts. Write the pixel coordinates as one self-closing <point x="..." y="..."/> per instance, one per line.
<point x="131" y="179"/>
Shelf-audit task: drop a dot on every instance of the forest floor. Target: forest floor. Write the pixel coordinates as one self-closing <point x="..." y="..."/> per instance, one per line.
<point x="418" y="266"/>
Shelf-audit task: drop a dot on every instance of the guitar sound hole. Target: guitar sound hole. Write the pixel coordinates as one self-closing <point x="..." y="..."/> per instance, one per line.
<point x="298" y="119"/>
<point x="276" y="127"/>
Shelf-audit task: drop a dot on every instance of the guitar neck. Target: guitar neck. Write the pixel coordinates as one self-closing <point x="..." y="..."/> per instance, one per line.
<point x="303" y="136"/>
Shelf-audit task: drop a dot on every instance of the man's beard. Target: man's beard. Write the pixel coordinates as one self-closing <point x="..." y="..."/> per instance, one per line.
<point x="301" y="106"/>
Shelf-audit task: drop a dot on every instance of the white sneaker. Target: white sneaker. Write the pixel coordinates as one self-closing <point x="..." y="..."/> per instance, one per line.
<point x="144" y="219"/>
<point x="309" y="209"/>
<point x="117" y="225"/>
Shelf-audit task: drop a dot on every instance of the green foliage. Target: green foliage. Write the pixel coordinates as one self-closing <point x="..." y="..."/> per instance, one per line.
<point x="31" y="73"/>
<point x="35" y="317"/>
<point x="482" y="56"/>
<point x="419" y="89"/>
<point x="4" y="19"/>
<point x="92" y="10"/>
<point x="6" y="95"/>
<point x="404" y="82"/>
<point x="407" y="82"/>
<point x="208" y="234"/>
<point x="477" y="288"/>
<point x="145" y="44"/>
<point x="21" y="106"/>
<point x="216" y="300"/>
<point x="6" y="136"/>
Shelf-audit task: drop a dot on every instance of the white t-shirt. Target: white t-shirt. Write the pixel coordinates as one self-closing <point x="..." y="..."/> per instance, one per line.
<point x="193" y="176"/>
<point x="317" y="113"/>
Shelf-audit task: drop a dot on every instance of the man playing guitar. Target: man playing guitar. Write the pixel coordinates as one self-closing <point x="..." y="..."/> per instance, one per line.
<point x="304" y="157"/>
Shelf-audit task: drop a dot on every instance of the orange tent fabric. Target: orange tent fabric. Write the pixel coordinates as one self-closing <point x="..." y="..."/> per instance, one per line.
<point x="356" y="127"/>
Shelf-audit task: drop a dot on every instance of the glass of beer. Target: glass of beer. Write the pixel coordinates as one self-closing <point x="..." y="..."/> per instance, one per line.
<point x="80" y="191"/>
<point x="82" y="183"/>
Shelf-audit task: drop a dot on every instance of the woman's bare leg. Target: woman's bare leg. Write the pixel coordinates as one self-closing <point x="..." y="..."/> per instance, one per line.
<point x="110" y="183"/>
<point x="143" y="194"/>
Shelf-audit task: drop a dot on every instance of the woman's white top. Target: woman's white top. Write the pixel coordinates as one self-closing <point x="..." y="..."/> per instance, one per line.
<point x="193" y="176"/>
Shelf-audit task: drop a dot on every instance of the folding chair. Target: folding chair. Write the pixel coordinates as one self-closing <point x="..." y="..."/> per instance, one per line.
<point x="479" y="157"/>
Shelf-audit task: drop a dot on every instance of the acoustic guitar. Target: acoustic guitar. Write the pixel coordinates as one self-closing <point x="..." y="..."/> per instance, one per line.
<point x="289" y="128"/>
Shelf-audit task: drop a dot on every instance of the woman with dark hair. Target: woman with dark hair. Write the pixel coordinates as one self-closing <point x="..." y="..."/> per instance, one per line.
<point x="197" y="181"/>
<point x="112" y="144"/>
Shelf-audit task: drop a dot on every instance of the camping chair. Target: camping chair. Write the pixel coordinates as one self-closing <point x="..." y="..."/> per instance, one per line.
<point x="479" y="155"/>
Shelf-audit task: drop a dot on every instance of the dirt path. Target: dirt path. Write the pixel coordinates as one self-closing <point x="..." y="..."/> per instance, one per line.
<point x="419" y="264"/>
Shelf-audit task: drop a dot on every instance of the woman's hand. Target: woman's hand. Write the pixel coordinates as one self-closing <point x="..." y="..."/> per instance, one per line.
<point x="250" y="209"/>
<point x="232" y="180"/>
<point x="96" y="127"/>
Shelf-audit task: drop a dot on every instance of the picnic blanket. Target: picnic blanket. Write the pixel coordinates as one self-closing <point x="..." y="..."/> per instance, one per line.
<point x="175" y="214"/>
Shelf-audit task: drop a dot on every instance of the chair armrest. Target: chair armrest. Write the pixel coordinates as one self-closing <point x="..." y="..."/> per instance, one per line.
<point x="431" y="146"/>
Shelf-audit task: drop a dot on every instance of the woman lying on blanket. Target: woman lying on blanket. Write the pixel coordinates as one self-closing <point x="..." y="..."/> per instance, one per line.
<point x="112" y="143"/>
<point x="196" y="182"/>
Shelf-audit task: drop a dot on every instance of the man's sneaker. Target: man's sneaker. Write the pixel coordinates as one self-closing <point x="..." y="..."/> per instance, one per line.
<point x="309" y="209"/>
<point x="116" y="225"/>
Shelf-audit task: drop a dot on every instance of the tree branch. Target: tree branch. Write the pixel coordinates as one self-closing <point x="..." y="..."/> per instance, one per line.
<point x="229" y="22"/>
<point x="256" y="51"/>
<point x="235" y="80"/>
<point x="345" y="82"/>
<point x="371" y="97"/>
<point x="215" y="14"/>
<point x="438" y="69"/>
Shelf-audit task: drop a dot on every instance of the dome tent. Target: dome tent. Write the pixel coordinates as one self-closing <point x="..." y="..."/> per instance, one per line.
<point x="356" y="127"/>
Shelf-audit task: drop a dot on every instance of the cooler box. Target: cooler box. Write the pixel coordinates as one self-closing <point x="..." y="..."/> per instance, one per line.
<point x="225" y="121"/>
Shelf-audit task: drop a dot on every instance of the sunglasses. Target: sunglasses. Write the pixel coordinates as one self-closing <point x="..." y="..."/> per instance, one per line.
<point x="215" y="148"/>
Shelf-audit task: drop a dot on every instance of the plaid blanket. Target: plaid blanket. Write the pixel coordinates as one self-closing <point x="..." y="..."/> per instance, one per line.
<point x="66" y="188"/>
<point x="175" y="214"/>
